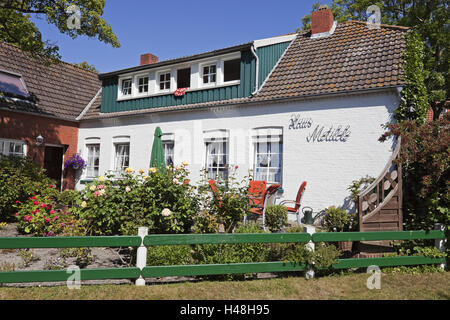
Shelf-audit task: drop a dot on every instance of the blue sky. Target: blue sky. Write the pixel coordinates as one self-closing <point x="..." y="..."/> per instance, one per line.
<point x="171" y="29"/>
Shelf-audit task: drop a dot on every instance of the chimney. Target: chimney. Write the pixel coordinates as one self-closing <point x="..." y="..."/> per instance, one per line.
<point x="322" y="20"/>
<point x="148" y="58"/>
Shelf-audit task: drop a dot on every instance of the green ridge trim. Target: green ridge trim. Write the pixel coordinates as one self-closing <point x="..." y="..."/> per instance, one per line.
<point x="63" y="275"/>
<point x="214" y="269"/>
<point x="378" y="235"/>
<point x="69" y="242"/>
<point x="235" y="238"/>
<point x="386" y="262"/>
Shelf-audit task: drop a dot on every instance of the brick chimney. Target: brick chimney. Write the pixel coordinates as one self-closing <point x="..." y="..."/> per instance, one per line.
<point x="322" y="20"/>
<point x="148" y="58"/>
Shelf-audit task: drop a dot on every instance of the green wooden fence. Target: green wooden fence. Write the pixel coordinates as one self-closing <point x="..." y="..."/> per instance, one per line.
<point x="209" y="269"/>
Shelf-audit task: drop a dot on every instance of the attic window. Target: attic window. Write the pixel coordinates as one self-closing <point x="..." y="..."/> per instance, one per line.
<point x="209" y="74"/>
<point x="184" y="78"/>
<point x="232" y="70"/>
<point x="13" y="84"/>
<point x="126" y="87"/>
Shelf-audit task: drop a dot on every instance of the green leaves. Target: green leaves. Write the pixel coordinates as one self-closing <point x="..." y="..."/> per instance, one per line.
<point x="17" y="28"/>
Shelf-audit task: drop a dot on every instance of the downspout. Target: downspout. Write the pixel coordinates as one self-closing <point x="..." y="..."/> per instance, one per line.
<point x="252" y="49"/>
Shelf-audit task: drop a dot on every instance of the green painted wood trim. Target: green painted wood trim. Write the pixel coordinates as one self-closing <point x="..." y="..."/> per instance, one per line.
<point x="69" y="242"/>
<point x="373" y="236"/>
<point x="211" y="269"/>
<point x="386" y="262"/>
<point x="63" y="275"/>
<point x="234" y="238"/>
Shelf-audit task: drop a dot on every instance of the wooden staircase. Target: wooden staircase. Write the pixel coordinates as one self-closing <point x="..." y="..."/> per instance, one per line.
<point x="380" y="206"/>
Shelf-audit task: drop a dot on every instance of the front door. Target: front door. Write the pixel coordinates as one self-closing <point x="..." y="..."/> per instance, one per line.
<point x="53" y="163"/>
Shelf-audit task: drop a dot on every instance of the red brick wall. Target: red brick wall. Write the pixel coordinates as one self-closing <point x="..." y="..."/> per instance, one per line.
<point x="26" y="127"/>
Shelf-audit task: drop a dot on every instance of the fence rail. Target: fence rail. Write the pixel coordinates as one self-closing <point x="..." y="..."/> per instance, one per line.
<point x="142" y="241"/>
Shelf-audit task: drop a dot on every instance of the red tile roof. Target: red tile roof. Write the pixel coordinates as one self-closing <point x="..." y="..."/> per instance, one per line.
<point x="62" y="90"/>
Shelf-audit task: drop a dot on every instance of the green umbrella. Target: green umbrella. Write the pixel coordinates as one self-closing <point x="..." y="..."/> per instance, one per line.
<point x="157" y="158"/>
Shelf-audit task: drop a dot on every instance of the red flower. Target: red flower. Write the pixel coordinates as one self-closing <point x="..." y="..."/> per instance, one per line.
<point x="43" y="205"/>
<point x="17" y="201"/>
<point x="52" y="211"/>
<point x="35" y="203"/>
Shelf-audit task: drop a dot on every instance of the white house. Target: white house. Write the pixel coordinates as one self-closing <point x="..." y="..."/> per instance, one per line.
<point x="293" y="108"/>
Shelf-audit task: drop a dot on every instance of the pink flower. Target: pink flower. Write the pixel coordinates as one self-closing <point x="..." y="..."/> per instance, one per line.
<point x="96" y="194"/>
<point x="62" y="224"/>
<point x="55" y="218"/>
<point x="47" y="220"/>
<point x="16" y="214"/>
<point x="49" y="206"/>
<point x="33" y="197"/>
<point x="35" y="203"/>
<point x="52" y="186"/>
<point x="28" y="218"/>
<point x="17" y="201"/>
<point x="100" y="187"/>
<point x="236" y="167"/>
<point x="52" y="211"/>
<point x="43" y="205"/>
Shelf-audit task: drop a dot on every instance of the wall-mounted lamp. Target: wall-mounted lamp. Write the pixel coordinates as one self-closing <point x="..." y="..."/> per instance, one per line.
<point x="39" y="140"/>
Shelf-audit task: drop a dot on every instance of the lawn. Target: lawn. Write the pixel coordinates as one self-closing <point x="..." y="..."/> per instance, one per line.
<point x="345" y="287"/>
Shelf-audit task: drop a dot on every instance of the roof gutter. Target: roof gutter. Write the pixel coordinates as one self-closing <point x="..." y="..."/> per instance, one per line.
<point x="252" y="49"/>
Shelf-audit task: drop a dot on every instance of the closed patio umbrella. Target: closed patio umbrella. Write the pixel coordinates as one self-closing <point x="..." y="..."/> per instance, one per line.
<point x="157" y="158"/>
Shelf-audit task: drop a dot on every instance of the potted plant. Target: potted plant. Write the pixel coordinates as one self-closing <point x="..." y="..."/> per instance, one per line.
<point x="339" y="220"/>
<point x="75" y="162"/>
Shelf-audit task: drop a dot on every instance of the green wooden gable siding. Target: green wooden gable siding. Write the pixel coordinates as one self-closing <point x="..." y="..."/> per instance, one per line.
<point x="269" y="56"/>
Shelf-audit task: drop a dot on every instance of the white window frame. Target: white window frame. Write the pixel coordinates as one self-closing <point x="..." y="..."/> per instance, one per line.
<point x="5" y="143"/>
<point x="142" y="76"/>
<point x="170" y="81"/>
<point x="217" y="136"/>
<point x="166" y="142"/>
<point x="269" y="136"/>
<point x="209" y="74"/>
<point x="88" y="146"/>
<point x="116" y="159"/>
<point x="122" y="80"/>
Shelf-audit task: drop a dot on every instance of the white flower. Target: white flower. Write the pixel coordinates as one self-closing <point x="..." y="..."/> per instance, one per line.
<point x="185" y="163"/>
<point x="175" y="180"/>
<point x="166" y="212"/>
<point x="83" y="204"/>
<point x="92" y="187"/>
<point x="127" y="189"/>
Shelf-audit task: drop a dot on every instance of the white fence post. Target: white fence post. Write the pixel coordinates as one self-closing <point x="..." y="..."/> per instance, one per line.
<point x="440" y="243"/>
<point x="309" y="274"/>
<point x="141" y="256"/>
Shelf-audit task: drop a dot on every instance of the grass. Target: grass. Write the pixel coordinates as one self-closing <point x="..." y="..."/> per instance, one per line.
<point x="347" y="287"/>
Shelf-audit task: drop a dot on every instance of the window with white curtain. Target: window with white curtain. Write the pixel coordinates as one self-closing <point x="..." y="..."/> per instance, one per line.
<point x="122" y="156"/>
<point x="168" y="146"/>
<point x="217" y="158"/>
<point x="93" y="160"/>
<point x="268" y="161"/>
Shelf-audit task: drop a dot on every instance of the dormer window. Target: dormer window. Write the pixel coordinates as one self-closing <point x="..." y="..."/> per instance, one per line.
<point x="164" y="81"/>
<point x="143" y="84"/>
<point x="209" y="74"/>
<point x="126" y="87"/>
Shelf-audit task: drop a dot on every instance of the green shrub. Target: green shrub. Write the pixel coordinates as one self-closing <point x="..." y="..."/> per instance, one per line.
<point x="39" y="216"/>
<point x="68" y="198"/>
<point x="232" y="253"/>
<point x="21" y="178"/>
<point x="276" y="217"/>
<point x="338" y="220"/>
<point x="169" y="255"/>
<point x="158" y="200"/>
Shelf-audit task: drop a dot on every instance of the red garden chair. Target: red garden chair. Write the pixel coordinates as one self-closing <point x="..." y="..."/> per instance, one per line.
<point x="297" y="203"/>
<point x="259" y="198"/>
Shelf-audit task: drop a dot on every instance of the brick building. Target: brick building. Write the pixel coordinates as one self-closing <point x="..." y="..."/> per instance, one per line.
<point x="39" y="106"/>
